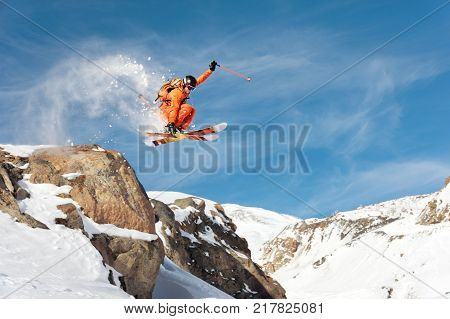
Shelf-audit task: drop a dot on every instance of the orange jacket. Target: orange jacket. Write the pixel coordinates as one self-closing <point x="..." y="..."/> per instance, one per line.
<point x="177" y="96"/>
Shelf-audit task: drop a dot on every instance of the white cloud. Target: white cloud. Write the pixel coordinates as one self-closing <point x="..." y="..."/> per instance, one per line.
<point x="363" y="108"/>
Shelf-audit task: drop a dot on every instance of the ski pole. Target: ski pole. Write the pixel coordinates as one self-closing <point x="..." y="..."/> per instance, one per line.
<point x="235" y="73"/>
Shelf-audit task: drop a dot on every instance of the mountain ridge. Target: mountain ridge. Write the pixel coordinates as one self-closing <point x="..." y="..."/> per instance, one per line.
<point x="307" y="257"/>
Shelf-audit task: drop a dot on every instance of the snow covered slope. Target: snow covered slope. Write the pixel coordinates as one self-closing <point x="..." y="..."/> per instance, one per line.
<point x="378" y="251"/>
<point x="29" y="265"/>
<point x="54" y="263"/>
<point x="175" y="283"/>
<point x="257" y="225"/>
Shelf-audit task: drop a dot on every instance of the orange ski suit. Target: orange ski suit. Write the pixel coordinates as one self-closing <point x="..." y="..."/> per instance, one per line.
<point x="175" y="109"/>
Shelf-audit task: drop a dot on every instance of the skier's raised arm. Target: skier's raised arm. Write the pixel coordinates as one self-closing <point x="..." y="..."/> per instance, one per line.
<point x="202" y="78"/>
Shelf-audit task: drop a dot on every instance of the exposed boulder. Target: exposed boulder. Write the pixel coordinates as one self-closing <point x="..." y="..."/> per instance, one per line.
<point x="10" y="191"/>
<point x="102" y="181"/>
<point x="6" y="157"/>
<point x="73" y="219"/>
<point x="10" y="175"/>
<point x="201" y="239"/>
<point x="138" y="262"/>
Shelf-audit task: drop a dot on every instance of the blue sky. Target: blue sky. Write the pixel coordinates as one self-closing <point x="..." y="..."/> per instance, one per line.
<point x="378" y="132"/>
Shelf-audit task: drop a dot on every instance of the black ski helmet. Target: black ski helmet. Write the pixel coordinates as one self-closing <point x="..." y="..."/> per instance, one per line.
<point x="190" y="80"/>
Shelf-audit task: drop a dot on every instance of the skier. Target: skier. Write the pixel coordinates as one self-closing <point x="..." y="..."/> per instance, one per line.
<point x="174" y="95"/>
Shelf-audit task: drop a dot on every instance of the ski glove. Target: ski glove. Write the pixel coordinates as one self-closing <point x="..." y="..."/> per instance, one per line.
<point x="172" y="129"/>
<point x="212" y="65"/>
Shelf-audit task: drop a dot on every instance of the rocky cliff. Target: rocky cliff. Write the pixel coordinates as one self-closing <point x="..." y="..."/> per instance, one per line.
<point x="11" y="172"/>
<point x="94" y="192"/>
<point x="200" y="238"/>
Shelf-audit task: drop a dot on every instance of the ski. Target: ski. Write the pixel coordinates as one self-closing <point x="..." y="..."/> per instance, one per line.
<point x="209" y="130"/>
<point x="204" y="134"/>
<point x="181" y="136"/>
<point x="158" y="134"/>
<point x="204" y="131"/>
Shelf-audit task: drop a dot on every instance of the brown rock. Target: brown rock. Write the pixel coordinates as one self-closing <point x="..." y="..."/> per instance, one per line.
<point x="8" y="185"/>
<point x="437" y="209"/>
<point x="189" y="201"/>
<point x="21" y="194"/>
<point x="108" y="190"/>
<point x="6" y="157"/>
<point x="64" y="195"/>
<point x="5" y="181"/>
<point x="137" y="260"/>
<point x="73" y="219"/>
<point x="434" y="213"/>
<point x="10" y="175"/>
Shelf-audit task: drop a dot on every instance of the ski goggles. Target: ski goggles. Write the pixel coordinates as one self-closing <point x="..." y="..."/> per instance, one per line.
<point x="190" y="87"/>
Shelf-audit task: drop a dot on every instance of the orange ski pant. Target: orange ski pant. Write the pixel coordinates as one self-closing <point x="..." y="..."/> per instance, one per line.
<point x="185" y="115"/>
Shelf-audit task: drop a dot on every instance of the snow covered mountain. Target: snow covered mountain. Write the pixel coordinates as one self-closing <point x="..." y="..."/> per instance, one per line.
<point x="395" y="249"/>
<point x="200" y="238"/>
<point x="57" y="208"/>
<point x="54" y="247"/>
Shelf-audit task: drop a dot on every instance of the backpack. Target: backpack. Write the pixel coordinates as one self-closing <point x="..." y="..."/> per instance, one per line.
<point x="167" y="87"/>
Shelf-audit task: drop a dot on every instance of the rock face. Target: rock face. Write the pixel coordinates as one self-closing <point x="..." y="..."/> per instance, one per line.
<point x="438" y="208"/>
<point x="303" y="237"/>
<point x="136" y="260"/>
<point x="201" y="239"/>
<point x="10" y="191"/>
<point x="107" y="190"/>
<point x="73" y="220"/>
<point x="102" y="182"/>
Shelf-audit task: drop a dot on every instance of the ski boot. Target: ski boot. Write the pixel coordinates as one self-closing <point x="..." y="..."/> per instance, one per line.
<point x="172" y="129"/>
